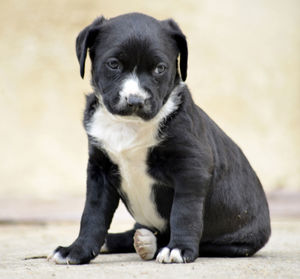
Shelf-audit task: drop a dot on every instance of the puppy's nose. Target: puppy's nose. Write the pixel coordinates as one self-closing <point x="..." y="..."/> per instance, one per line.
<point x="135" y="101"/>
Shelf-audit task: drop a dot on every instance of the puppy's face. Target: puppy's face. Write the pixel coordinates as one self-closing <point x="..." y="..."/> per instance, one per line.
<point x="134" y="62"/>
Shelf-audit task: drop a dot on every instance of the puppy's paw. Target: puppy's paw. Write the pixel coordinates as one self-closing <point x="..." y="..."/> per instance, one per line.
<point x="57" y="257"/>
<point x="167" y="255"/>
<point x="104" y="249"/>
<point x="73" y="254"/>
<point x="145" y="244"/>
<point x="175" y="255"/>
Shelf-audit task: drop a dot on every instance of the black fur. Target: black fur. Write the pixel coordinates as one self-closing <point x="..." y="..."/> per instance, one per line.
<point x="206" y="189"/>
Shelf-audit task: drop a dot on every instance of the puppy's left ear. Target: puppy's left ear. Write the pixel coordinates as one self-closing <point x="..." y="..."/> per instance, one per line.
<point x="173" y="29"/>
<point x="85" y="40"/>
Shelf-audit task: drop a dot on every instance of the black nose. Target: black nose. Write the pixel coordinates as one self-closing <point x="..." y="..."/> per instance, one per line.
<point x="135" y="101"/>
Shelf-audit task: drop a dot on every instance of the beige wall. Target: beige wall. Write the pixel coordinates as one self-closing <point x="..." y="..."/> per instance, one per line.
<point x="244" y="71"/>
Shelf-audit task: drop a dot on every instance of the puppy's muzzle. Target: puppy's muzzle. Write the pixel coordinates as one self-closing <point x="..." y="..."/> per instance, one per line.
<point x="135" y="102"/>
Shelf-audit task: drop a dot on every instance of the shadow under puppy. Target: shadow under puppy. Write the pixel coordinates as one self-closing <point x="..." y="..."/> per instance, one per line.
<point x="189" y="187"/>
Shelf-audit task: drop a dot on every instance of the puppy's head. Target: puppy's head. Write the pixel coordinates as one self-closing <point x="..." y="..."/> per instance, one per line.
<point x="134" y="62"/>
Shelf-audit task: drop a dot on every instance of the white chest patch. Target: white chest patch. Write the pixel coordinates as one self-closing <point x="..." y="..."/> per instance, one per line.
<point x="127" y="141"/>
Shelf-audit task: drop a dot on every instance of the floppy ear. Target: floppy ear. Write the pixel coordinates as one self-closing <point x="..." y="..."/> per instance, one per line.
<point x="177" y="35"/>
<point x="85" y="40"/>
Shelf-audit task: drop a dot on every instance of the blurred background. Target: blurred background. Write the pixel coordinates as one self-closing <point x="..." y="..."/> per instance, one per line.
<point x="244" y="71"/>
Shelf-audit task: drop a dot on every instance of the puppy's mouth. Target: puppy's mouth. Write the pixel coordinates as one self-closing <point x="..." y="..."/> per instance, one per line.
<point x="133" y="110"/>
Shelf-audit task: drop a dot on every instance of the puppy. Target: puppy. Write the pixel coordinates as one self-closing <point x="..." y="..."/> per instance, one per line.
<point x="189" y="187"/>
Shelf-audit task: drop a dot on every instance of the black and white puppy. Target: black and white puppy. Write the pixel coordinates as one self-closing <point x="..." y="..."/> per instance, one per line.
<point x="189" y="187"/>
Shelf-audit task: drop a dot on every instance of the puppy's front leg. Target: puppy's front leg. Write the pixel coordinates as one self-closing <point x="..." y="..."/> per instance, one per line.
<point x="186" y="222"/>
<point x="101" y="202"/>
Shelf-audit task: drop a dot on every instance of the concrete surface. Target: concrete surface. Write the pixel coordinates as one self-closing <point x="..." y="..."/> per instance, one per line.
<point x="279" y="259"/>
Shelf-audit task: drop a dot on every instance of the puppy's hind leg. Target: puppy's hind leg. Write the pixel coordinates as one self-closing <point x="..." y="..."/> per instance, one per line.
<point x="136" y="240"/>
<point x="238" y="244"/>
<point x="118" y="243"/>
<point x="139" y="240"/>
<point x="145" y="244"/>
<point x="226" y="250"/>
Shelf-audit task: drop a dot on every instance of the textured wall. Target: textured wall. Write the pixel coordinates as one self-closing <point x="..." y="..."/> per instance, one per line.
<point x="244" y="71"/>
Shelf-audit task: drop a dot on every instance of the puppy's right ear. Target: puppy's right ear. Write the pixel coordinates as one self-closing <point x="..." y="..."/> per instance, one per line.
<point x="85" y="40"/>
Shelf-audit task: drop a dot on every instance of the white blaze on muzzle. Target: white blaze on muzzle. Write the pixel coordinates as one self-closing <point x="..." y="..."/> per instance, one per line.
<point x="131" y="87"/>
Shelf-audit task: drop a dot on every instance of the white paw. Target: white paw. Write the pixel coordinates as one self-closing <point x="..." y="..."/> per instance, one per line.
<point x="57" y="258"/>
<point x="104" y="248"/>
<point x="169" y="256"/>
<point x="145" y="244"/>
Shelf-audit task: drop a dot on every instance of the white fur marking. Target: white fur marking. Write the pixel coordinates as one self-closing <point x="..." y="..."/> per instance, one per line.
<point x="145" y="244"/>
<point x="127" y="140"/>
<point x="104" y="248"/>
<point x="57" y="258"/>
<point x="163" y="256"/>
<point x="131" y="86"/>
<point x="175" y="256"/>
<point x="167" y="256"/>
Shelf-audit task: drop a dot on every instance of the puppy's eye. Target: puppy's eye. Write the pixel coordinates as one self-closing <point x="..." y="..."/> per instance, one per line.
<point x="113" y="64"/>
<point x="160" y="68"/>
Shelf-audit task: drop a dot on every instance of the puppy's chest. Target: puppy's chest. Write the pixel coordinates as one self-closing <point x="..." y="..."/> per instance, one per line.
<point x="127" y="144"/>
